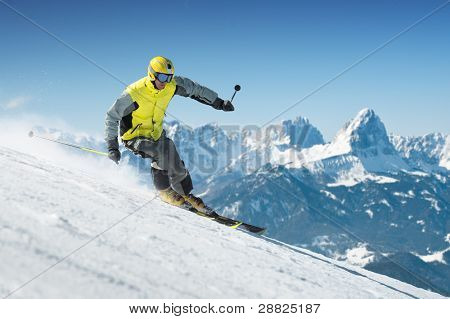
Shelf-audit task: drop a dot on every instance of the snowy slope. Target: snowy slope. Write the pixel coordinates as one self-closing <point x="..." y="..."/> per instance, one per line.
<point x="156" y="251"/>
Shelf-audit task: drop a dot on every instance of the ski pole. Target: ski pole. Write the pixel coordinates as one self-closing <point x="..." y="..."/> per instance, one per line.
<point x="87" y="149"/>
<point x="237" y="88"/>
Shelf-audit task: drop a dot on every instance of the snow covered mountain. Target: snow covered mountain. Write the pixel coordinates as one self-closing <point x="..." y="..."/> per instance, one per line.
<point x="429" y="153"/>
<point x="360" y="151"/>
<point x="212" y="150"/>
<point x="80" y="235"/>
<point x="358" y="190"/>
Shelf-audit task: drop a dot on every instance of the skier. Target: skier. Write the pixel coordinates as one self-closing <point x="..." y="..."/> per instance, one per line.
<point x="140" y="111"/>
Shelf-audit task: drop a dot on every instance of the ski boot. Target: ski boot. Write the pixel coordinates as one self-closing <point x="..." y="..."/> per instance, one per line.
<point x="172" y="197"/>
<point x="199" y="205"/>
<point x="196" y="202"/>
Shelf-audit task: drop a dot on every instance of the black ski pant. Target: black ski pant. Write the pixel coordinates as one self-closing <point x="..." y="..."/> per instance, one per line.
<point x="168" y="169"/>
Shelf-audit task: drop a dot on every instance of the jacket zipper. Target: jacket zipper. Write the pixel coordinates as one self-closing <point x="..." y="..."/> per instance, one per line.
<point x="135" y="128"/>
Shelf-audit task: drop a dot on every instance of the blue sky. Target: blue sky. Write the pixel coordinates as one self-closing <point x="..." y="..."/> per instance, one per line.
<point x="277" y="51"/>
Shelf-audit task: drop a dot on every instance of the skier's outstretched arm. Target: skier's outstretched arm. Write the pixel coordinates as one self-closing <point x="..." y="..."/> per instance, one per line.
<point x="122" y="106"/>
<point x="189" y="88"/>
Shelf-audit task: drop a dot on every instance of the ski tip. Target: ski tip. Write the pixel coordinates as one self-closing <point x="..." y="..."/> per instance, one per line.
<point x="262" y="232"/>
<point x="252" y="229"/>
<point x="30" y="134"/>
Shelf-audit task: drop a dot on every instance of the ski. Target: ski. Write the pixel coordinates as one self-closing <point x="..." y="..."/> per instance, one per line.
<point x="232" y="223"/>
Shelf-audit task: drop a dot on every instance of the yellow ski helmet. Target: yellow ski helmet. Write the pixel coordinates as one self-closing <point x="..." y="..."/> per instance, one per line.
<point x="161" y="68"/>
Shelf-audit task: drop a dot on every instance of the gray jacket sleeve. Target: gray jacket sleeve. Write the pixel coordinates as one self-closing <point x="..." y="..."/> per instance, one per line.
<point x="123" y="106"/>
<point x="189" y="88"/>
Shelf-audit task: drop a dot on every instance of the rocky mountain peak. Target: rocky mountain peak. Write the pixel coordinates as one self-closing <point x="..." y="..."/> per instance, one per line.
<point x="366" y="131"/>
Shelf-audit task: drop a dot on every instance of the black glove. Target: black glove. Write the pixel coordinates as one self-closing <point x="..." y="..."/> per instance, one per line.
<point x="227" y="106"/>
<point x="220" y="104"/>
<point x="113" y="150"/>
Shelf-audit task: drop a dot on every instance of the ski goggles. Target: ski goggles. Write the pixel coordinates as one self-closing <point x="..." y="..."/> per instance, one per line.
<point x="164" y="78"/>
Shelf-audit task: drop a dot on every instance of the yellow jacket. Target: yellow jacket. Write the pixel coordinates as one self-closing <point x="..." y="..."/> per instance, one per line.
<point x="141" y="107"/>
<point x="147" y="119"/>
